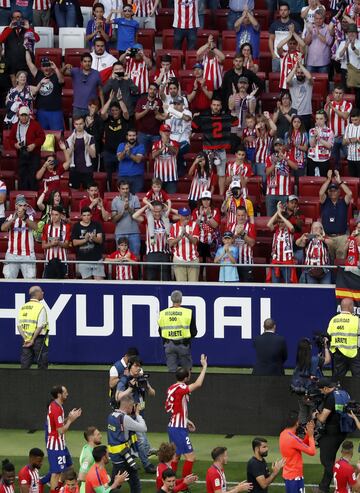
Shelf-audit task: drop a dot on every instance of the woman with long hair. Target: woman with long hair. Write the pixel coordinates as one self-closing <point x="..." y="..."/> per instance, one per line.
<point x="265" y="131"/>
<point x="249" y="62"/>
<point x="203" y="178"/>
<point x="45" y="205"/>
<point x="22" y="94"/>
<point x="321" y="140"/>
<point x="283" y="113"/>
<point x="297" y="141"/>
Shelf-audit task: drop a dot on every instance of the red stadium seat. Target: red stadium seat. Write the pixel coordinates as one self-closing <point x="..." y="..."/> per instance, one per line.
<point x="221" y="16"/>
<point x="265" y="61"/>
<point x="196" y="142"/>
<point x="309" y="186"/>
<point x="262" y="247"/>
<point x="68" y="82"/>
<point x="73" y="55"/>
<point x="8" y="177"/>
<point x="67" y="102"/>
<point x="321" y="84"/>
<point x="264" y="41"/>
<point x="228" y="41"/>
<point x="274" y="79"/>
<point x="259" y="273"/>
<point x="30" y="196"/>
<point x="147" y="38"/>
<point x="9" y="160"/>
<point x="164" y="20"/>
<point x="4" y="237"/>
<point x="168" y="39"/>
<point x="76" y="198"/>
<point x="212" y="271"/>
<point x="310" y="207"/>
<point x="262" y="16"/>
<point x="254" y="186"/>
<point x="203" y="34"/>
<point x="184" y="184"/>
<point x="190" y="59"/>
<point x="55" y="55"/>
<point x="100" y="179"/>
<point x="261" y="226"/>
<point x="186" y="78"/>
<point x="353" y="184"/>
<point x="269" y="100"/>
<point x="6" y="142"/>
<point x="176" y="58"/>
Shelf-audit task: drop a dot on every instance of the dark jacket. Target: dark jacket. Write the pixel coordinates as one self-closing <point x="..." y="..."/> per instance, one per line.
<point x="231" y="78"/>
<point x="271" y="354"/>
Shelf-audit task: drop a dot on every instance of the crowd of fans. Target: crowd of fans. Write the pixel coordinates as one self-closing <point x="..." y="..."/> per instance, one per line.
<point x="162" y="165"/>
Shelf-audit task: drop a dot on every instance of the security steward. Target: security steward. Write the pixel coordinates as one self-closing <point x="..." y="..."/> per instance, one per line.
<point x="176" y="328"/>
<point x="334" y="424"/>
<point x="33" y="326"/>
<point x="344" y="331"/>
<point x="121" y="435"/>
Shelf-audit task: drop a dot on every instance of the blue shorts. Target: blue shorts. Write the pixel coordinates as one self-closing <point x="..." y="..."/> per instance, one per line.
<point x="50" y="120"/>
<point x="180" y="436"/>
<point x="295" y="485"/>
<point x="59" y="460"/>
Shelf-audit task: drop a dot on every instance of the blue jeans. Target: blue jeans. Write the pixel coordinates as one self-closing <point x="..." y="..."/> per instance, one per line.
<point x="136" y="183"/>
<point x="306" y="278"/>
<point x="66" y="17"/>
<point x="143" y="448"/>
<point x="188" y="34"/>
<point x="320" y="70"/>
<point x="337" y="150"/>
<point x="50" y="120"/>
<point x="260" y="171"/>
<point x="275" y="64"/>
<point x="232" y="18"/>
<point x="134" y="241"/>
<point x="271" y="203"/>
<point x="284" y="275"/>
<point x="147" y="140"/>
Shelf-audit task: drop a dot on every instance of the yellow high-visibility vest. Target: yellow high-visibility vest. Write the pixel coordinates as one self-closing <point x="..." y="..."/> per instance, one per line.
<point x="344" y="329"/>
<point x="28" y="319"/>
<point x="175" y="322"/>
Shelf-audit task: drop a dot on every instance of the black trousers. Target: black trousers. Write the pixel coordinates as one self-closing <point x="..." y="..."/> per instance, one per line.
<point x="342" y="364"/>
<point x="323" y="167"/>
<point x="156" y="272"/>
<point x="134" y="480"/>
<point x="77" y="179"/>
<point x="37" y="353"/>
<point x="245" y="274"/>
<point x="28" y="166"/>
<point x="329" y="445"/>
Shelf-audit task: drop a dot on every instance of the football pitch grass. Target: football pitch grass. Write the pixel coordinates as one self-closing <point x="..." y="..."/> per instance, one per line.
<point x="15" y="444"/>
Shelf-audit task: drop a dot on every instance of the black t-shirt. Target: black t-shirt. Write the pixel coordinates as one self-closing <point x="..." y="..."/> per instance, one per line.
<point x="90" y="250"/>
<point x="256" y="468"/>
<point x="49" y="95"/>
<point x="333" y="419"/>
<point x="114" y="133"/>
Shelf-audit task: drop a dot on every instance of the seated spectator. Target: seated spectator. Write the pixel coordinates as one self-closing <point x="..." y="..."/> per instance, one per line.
<point x="94" y="127"/>
<point x="244" y="239"/>
<point x="242" y="103"/>
<point x="234" y="198"/>
<point x="97" y="27"/>
<point x="127" y="27"/>
<point x="352" y="141"/>
<point x="170" y="92"/>
<point x="297" y="219"/>
<point x="308" y="12"/>
<point x="203" y="179"/>
<point x="81" y="150"/>
<point x="352" y="262"/>
<point x="13" y="38"/>
<point x="185" y="23"/>
<point x="180" y="120"/>
<point x="20" y="95"/>
<point x="122" y="87"/>
<point x="55" y="241"/>
<point x="157" y="248"/>
<point x="183" y="239"/>
<point x="51" y="171"/>
<point x="316" y="255"/>
<point x="282" y="252"/>
<point x="225" y="256"/>
<point x="87" y="238"/>
<point x="208" y="218"/>
<point x="348" y="53"/>
<point x="27" y="137"/>
<point x="283" y="114"/>
<point x="3" y="193"/>
<point x="297" y="141"/>
<point x="165" y="74"/>
<point x="248" y="32"/>
<point x="95" y="203"/>
<point x="131" y="168"/>
<point x="137" y="67"/>
<point x="68" y="15"/>
<point x="21" y="241"/>
<point x="149" y="115"/>
<point x="211" y="58"/>
<point x="250" y="62"/>
<point x="49" y="80"/>
<point x="238" y="170"/>
<point x="164" y="152"/>
<point x="321" y="141"/>
<point x="157" y="194"/>
<point x="334" y="212"/>
<point x="122" y="256"/>
<point x="300" y="84"/>
<point x="102" y="60"/>
<point x="123" y="207"/>
<point x="236" y="11"/>
<point x="201" y="92"/>
<point x="318" y="40"/>
<point x="249" y="137"/>
<point x="290" y="57"/>
<point x="265" y="131"/>
<point x="146" y="13"/>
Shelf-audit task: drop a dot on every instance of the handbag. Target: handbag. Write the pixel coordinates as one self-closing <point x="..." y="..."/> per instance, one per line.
<point x="353" y="74"/>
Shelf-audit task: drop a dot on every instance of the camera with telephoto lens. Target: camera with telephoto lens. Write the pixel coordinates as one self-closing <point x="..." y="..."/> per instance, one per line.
<point x="354" y="407"/>
<point x="129" y="459"/>
<point x="133" y="52"/>
<point x="321" y="340"/>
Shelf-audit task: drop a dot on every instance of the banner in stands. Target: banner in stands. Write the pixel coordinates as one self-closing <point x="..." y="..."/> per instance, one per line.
<point x="96" y="322"/>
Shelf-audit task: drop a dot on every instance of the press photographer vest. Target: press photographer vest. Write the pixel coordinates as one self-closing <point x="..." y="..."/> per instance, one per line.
<point x="343" y="329"/>
<point x="117" y="443"/>
<point x="28" y="320"/>
<point x="175" y="322"/>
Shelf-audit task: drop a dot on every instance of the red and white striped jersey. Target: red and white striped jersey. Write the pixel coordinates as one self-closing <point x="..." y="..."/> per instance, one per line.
<point x="123" y="270"/>
<point x="295" y="139"/>
<point x="213" y="70"/>
<point x="160" y="243"/>
<point x="232" y="205"/>
<point x="162" y="196"/>
<point x="186" y="15"/>
<point x="235" y="170"/>
<point x="200" y="184"/>
<point x="287" y="63"/>
<point x="207" y="233"/>
<point x="138" y="73"/>
<point x="176" y="403"/>
<point x="4" y="488"/>
<point x="171" y="74"/>
<point x="21" y="239"/>
<point x="61" y="233"/>
<point x="278" y="182"/>
<point x="165" y="165"/>
<point x="337" y="124"/>
<point x="143" y="8"/>
<point x="184" y="250"/>
<point x="245" y="250"/>
<point x="282" y="245"/>
<point x="249" y="132"/>
<point x="318" y="152"/>
<point x="5" y="4"/>
<point x="316" y="253"/>
<point x="30" y="476"/>
<point x="42" y="4"/>
<point x="263" y="147"/>
<point x="55" y="419"/>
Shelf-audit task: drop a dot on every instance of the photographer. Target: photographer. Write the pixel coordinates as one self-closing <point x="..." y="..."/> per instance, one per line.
<point x="122" y="87"/>
<point x="307" y="371"/>
<point x="137" y="66"/>
<point x="136" y="385"/>
<point x="27" y="137"/>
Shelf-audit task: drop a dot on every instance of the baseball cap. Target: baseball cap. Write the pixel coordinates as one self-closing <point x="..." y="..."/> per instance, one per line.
<point x="228" y="234"/>
<point x="24" y="110"/>
<point x="243" y="79"/>
<point x="333" y="186"/>
<point x="292" y="197"/>
<point x="279" y="141"/>
<point x="20" y="200"/>
<point x="137" y="46"/>
<point x="206" y="195"/>
<point x="165" y="128"/>
<point x="166" y="58"/>
<point x="177" y="99"/>
<point x="184" y="211"/>
<point x="199" y="65"/>
<point x="235" y="184"/>
<point x="325" y="382"/>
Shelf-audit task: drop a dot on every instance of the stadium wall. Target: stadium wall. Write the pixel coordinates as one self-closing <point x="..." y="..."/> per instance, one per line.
<point x="94" y="322"/>
<point x="234" y="404"/>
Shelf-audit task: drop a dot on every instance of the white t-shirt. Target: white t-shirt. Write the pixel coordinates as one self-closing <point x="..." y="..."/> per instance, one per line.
<point x="180" y="129"/>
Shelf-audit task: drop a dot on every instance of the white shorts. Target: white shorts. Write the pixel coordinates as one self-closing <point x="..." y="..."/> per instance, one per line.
<point x="11" y="271"/>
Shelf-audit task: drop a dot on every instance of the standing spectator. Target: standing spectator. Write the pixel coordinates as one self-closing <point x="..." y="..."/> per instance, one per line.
<point x="225" y="255"/>
<point x="244" y="239"/>
<point x="248" y="31"/>
<point x="27" y="137"/>
<point x="21" y="241"/>
<point x="148" y="115"/>
<point x="87" y="238"/>
<point x="200" y="94"/>
<point x="249" y="138"/>
<point x="318" y="40"/>
<point x="276" y="30"/>
<point x="13" y="38"/>
<point x="122" y="86"/>
<point x="237" y="10"/>
<point x="165" y="73"/>
<point x="241" y="103"/>
<point x="297" y="141"/>
<point x="97" y="27"/>
<point x="250" y="62"/>
<point x="131" y="155"/>
<point x="308" y="12"/>
<point x="102" y="60"/>
<point x="348" y="53"/>
<point x="321" y="140"/>
<point x="290" y="57"/>
<point x="48" y="101"/>
<point x="179" y="121"/>
<point x="265" y="130"/>
<point x="137" y="67"/>
<point x="95" y="203"/>
<point x="41" y="13"/>
<point x="352" y="141"/>
<point x="238" y="170"/>
<point x="86" y="84"/>
<point x="338" y="111"/>
<point x="211" y="58"/>
<point x="81" y="149"/>
<point x="208" y="218"/>
<point x="334" y="211"/>
<point x="183" y="238"/>
<point x="300" y="83"/>
<point x="122" y="209"/>
<point x="145" y="12"/>
<point x="22" y="94"/>
<point x="203" y="179"/>
<point x="94" y="127"/>
<point x="271" y="351"/>
<point x="164" y="152"/>
<point x="283" y="114"/>
<point x="297" y="219"/>
<point x="51" y="172"/>
<point x="127" y="28"/>
<point x="55" y="241"/>
<point x="185" y="24"/>
<point x="3" y="193"/>
<point x="122" y="256"/>
<point x="68" y="15"/>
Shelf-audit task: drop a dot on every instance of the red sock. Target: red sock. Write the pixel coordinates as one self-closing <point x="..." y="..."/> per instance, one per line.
<point x="174" y="465"/>
<point x="187" y="468"/>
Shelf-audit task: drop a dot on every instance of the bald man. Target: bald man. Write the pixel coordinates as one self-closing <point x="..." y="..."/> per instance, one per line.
<point x="271" y="351"/>
<point x="33" y="326"/>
